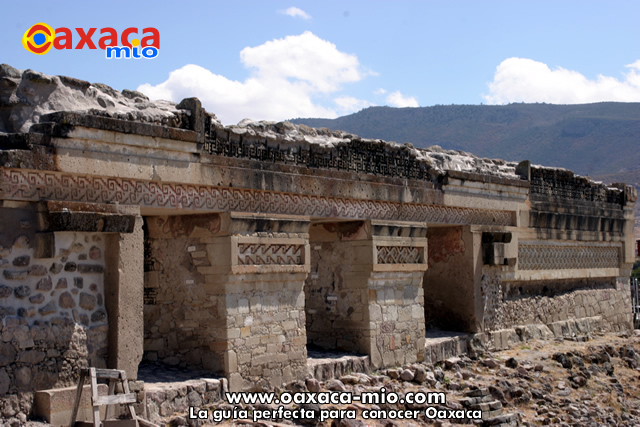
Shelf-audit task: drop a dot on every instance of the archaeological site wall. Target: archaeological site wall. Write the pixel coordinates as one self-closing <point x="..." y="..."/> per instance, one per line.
<point x="152" y="232"/>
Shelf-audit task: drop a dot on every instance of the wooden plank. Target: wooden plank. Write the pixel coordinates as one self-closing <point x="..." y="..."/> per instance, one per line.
<point x="125" y="387"/>
<point x="112" y="388"/>
<point x="94" y="393"/>
<point x="114" y="399"/>
<point x="108" y="373"/>
<point x="76" y="405"/>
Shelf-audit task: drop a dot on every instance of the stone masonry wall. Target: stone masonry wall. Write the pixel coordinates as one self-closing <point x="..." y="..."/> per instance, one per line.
<point x="364" y="293"/>
<point x="265" y="336"/>
<point x="508" y="304"/>
<point x="340" y="314"/>
<point x="53" y="316"/>
<point x="226" y="301"/>
<point x="449" y="281"/>
<point x="177" y="312"/>
<point x="337" y="311"/>
<point x="396" y="304"/>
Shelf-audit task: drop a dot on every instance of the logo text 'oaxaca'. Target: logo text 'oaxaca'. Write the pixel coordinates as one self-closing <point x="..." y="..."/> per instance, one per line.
<point x="40" y="38"/>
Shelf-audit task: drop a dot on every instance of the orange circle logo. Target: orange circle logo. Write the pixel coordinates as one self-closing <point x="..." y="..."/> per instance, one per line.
<point x="39" y="38"/>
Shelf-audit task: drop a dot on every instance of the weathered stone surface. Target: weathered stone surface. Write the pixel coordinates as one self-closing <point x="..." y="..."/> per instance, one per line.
<point x="37" y="270"/>
<point x="62" y="283"/>
<point x="45" y="284"/>
<point x="7" y="353"/>
<point x="22" y="291"/>
<point x="70" y="266"/>
<point x="31" y="357"/>
<point x="23" y="378"/>
<point x="7" y="311"/>
<point x="98" y="316"/>
<point x="36" y="299"/>
<point x="26" y="312"/>
<point x="78" y="282"/>
<point x="5" y="291"/>
<point x="87" y="301"/>
<point x="95" y="253"/>
<point x="5" y="382"/>
<point x="56" y="268"/>
<point x="407" y="375"/>
<point x="50" y="308"/>
<point x="22" y="261"/>
<point x="15" y="275"/>
<point x="90" y="268"/>
<point x="66" y="301"/>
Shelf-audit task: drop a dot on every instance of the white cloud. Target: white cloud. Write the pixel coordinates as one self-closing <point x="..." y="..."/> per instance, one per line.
<point x="349" y="104"/>
<point x="397" y="99"/>
<point x="526" y="80"/>
<point x="295" y="12"/>
<point x="286" y="76"/>
<point x="380" y="91"/>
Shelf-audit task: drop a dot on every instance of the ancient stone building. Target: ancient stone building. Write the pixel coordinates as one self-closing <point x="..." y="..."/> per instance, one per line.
<point x="133" y="230"/>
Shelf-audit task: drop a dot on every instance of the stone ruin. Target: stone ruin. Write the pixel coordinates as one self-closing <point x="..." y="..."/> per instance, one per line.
<point x="134" y="230"/>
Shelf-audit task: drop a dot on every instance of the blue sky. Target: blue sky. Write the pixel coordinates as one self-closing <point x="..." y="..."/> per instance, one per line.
<point x="283" y="59"/>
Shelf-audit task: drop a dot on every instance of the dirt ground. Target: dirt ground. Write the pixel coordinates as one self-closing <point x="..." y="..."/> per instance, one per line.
<point x="589" y="381"/>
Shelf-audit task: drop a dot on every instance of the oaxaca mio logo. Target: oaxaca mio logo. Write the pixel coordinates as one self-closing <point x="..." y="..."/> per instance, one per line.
<point x="40" y="38"/>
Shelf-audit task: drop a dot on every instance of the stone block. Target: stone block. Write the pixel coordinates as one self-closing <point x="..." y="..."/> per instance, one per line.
<point x="56" y="405"/>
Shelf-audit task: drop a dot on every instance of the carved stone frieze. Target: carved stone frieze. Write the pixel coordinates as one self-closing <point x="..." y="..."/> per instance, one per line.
<point x="400" y="254"/>
<point x="561" y="257"/>
<point x="270" y="254"/>
<point x="29" y="185"/>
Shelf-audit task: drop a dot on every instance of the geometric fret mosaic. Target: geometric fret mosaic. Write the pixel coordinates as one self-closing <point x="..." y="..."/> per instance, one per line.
<point x="549" y="257"/>
<point x="400" y="254"/>
<point x="270" y="254"/>
<point x="29" y="185"/>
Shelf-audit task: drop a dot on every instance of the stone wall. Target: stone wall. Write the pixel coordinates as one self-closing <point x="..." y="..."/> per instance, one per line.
<point x="397" y="317"/>
<point x="178" y="313"/>
<point x="364" y="293"/>
<point x="450" y="281"/>
<point x="226" y="300"/>
<point x="546" y="302"/>
<point x="336" y="310"/>
<point x="53" y="312"/>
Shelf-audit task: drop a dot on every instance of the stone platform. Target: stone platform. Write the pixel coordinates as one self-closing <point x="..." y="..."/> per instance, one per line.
<point x="441" y="345"/>
<point x="324" y="365"/>
<point x="171" y="390"/>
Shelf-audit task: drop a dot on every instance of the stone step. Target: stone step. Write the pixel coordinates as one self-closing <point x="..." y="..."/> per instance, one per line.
<point x="324" y="366"/>
<point x="166" y="398"/>
<point x="55" y="405"/>
<point x="442" y="345"/>
<point x="504" y="420"/>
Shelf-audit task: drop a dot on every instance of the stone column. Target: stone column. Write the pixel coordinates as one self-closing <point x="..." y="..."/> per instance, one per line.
<point x="124" y="279"/>
<point x="258" y="268"/>
<point x="365" y="291"/>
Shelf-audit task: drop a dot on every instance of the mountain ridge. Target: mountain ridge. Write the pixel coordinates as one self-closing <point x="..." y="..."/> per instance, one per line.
<point x="567" y="136"/>
<point x="599" y="140"/>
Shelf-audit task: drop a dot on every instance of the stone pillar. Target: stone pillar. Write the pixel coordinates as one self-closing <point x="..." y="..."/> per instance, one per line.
<point x="124" y="278"/>
<point x="364" y="293"/>
<point x="258" y="268"/>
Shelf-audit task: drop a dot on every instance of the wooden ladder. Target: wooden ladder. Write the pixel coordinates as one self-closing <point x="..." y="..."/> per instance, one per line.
<point x="112" y="399"/>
